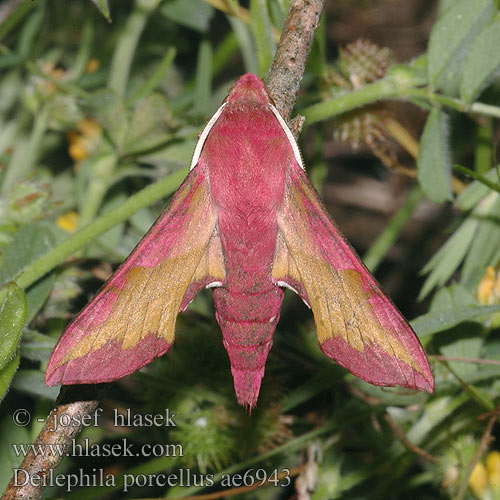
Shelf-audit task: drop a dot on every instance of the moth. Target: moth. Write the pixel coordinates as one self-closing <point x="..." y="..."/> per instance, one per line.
<point x="247" y="223"/>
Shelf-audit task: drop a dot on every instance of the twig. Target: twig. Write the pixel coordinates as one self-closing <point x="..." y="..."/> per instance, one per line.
<point x="399" y="433"/>
<point x="481" y="449"/>
<point x="396" y="429"/>
<point x="479" y="177"/>
<point x="289" y="61"/>
<point x="366" y="398"/>
<point x="245" y="489"/>
<point x="72" y="404"/>
<point x="478" y="361"/>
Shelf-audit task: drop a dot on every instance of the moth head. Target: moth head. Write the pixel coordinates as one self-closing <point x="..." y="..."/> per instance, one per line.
<point x="249" y="89"/>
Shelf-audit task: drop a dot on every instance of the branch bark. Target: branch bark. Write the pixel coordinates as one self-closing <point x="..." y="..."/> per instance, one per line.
<point x="72" y="404"/>
<point x="290" y="59"/>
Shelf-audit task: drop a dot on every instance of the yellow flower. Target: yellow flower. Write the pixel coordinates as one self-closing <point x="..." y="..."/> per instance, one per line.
<point x="68" y="221"/>
<point x="493" y="468"/>
<point x="46" y="86"/>
<point x="484" y="482"/>
<point x="77" y="151"/>
<point x="89" y="128"/>
<point x="488" y="290"/>
<point x="478" y="480"/>
<point x="92" y="65"/>
<point x="83" y="142"/>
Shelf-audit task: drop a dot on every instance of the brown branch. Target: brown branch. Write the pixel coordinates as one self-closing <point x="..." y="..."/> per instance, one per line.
<point x="289" y="61"/>
<point x="245" y="489"/>
<point x="399" y="433"/>
<point x="481" y="450"/>
<point x="72" y="404"/>
<point x="396" y="429"/>
<point x="479" y="361"/>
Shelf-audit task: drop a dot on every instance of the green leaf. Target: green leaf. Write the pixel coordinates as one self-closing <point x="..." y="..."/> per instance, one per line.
<point x="482" y="63"/>
<point x="246" y="43"/>
<point x="483" y="372"/>
<point x="450" y="41"/>
<point x="204" y="74"/>
<point x="388" y="236"/>
<point x="434" y="322"/>
<point x="10" y="434"/>
<point x="149" y="125"/>
<point x="480" y="397"/>
<point x="447" y="259"/>
<point x="38" y="293"/>
<point x="322" y="380"/>
<point x="103" y="7"/>
<point x="224" y="52"/>
<point x="263" y="34"/>
<point x="36" y="346"/>
<point x="434" y="162"/>
<point x="15" y="16"/>
<point x="330" y="480"/>
<point x="13" y="313"/>
<point x="194" y="14"/>
<point x="444" y="5"/>
<point x="27" y="40"/>
<point x="485" y="248"/>
<point x="452" y="297"/>
<point x="25" y="202"/>
<point x="7" y="374"/>
<point x="435" y="412"/>
<point x="173" y="156"/>
<point x="156" y="77"/>
<point x="464" y="341"/>
<point x="33" y="382"/>
<point x="110" y="239"/>
<point x="110" y="110"/>
<point x="29" y="243"/>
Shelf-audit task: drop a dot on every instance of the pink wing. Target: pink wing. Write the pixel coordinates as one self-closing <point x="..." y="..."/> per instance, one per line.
<point x="357" y="325"/>
<point x="132" y="319"/>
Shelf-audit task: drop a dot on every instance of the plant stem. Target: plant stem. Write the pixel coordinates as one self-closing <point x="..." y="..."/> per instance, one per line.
<point x="127" y="44"/>
<point x="478" y="177"/>
<point x="381" y="89"/>
<point x="100" y="180"/>
<point x="389" y="235"/>
<point x="485" y="109"/>
<point x="291" y="54"/>
<point x="181" y="492"/>
<point x="390" y="88"/>
<point x="22" y="161"/>
<point x="484" y="141"/>
<point x="13" y="14"/>
<point x="156" y="77"/>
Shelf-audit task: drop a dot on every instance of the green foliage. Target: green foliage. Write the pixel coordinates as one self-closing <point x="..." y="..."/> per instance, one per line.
<point x="101" y="106"/>
<point x="450" y="41"/>
<point x="434" y="164"/>
<point x="12" y="317"/>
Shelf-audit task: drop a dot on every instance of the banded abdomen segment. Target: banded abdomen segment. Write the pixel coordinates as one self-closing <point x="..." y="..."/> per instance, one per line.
<point x="248" y="320"/>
